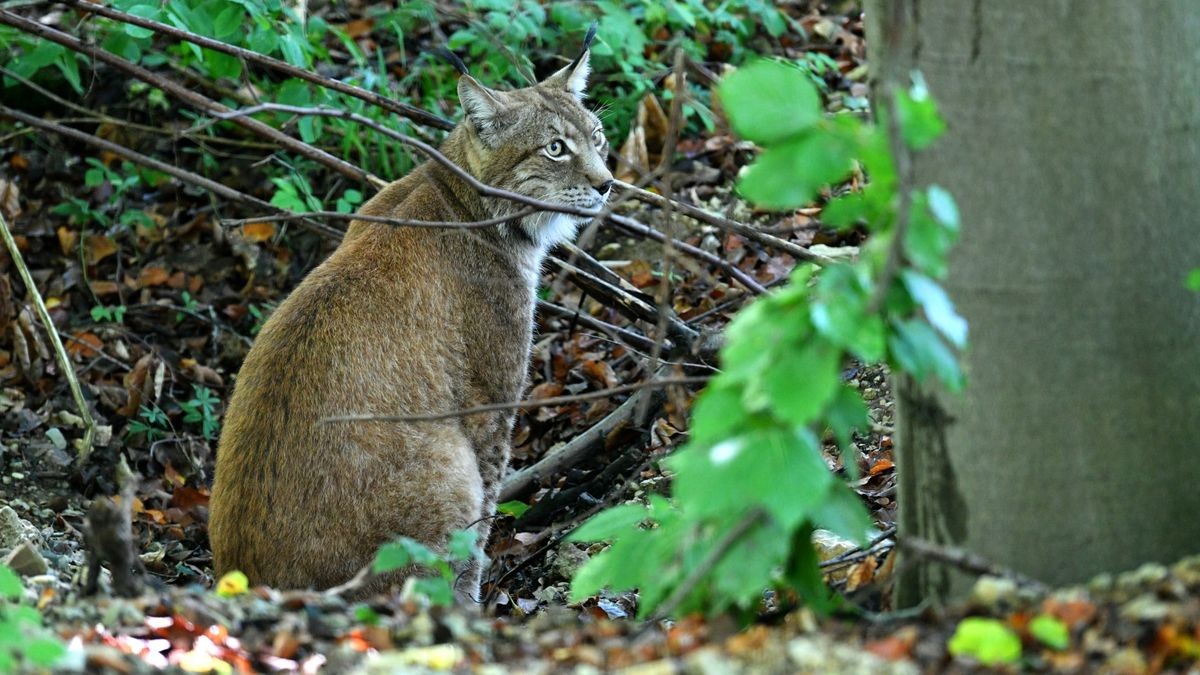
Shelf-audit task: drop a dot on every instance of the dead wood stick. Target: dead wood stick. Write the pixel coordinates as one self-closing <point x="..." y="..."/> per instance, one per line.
<point x="84" y="446"/>
<point x="965" y="560"/>
<point x="190" y="97"/>
<point x="625" y="302"/>
<point x="621" y="335"/>
<point x="650" y="233"/>
<point x="578" y="448"/>
<point x="138" y="158"/>
<point x="411" y="112"/>
<point x="519" y="405"/>
<point x="754" y="234"/>
<point x="337" y="215"/>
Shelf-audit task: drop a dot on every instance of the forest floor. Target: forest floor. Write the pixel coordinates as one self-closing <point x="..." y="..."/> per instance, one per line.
<point x="158" y="313"/>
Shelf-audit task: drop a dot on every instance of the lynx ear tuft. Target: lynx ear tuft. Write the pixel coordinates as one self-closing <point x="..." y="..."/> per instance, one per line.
<point x="573" y="78"/>
<point x="479" y="103"/>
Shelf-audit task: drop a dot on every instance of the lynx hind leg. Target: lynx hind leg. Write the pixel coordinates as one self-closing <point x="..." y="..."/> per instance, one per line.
<point x="441" y="493"/>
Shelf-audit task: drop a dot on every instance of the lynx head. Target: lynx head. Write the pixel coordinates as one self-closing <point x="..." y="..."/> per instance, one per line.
<point x="542" y="142"/>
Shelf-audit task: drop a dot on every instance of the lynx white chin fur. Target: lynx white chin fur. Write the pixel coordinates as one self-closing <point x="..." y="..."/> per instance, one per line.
<point x="404" y="321"/>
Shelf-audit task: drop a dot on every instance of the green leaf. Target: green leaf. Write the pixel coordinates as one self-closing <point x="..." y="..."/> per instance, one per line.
<point x="937" y="305"/>
<point x="843" y="513"/>
<point x="438" y="590"/>
<point x="988" y="641"/>
<point x="943" y="207"/>
<point x="391" y="556"/>
<point x="920" y="122"/>
<point x="228" y="22"/>
<point x="919" y="350"/>
<point x="1193" y="280"/>
<point x="768" y="101"/>
<point x="846" y="414"/>
<point x="463" y="545"/>
<point x="739" y="576"/>
<point x="927" y="240"/>
<point x="610" y="523"/>
<point x="1050" y="631"/>
<point x="802" y="380"/>
<point x="513" y="508"/>
<point x="790" y="174"/>
<point x="11" y="587"/>
<point x="145" y="12"/>
<point x="222" y="65"/>
<point x="718" y="412"/>
<point x="781" y="468"/>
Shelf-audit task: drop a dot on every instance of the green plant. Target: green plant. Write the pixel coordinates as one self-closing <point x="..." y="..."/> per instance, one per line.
<point x="988" y="641"/>
<point x="751" y="483"/>
<point x="23" y="641"/>
<point x="152" y="422"/>
<point x="111" y="313"/>
<point x="190" y="306"/>
<point x="115" y="186"/>
<point x="438" y="588"/>
<point x="202" y="409"/>
<point x="260" y="313"/>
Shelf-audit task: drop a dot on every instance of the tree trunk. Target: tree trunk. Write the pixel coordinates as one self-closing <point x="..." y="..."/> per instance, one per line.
<point x="1074" y="152"/>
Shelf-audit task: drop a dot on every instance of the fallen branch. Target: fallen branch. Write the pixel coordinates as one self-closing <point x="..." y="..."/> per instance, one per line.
<point x="620" y="335"/>
<point x="84" y="446"/>
<point x="966" y="561"/>
<point x="411" y="112"/>
<point x="401" y="222"/>
<point x="650" y="233"/>
<point x="578" y="448"/>
<point x="754" y="234"/>
<point x="191" y="97"/>
<point x="518" y="405"/>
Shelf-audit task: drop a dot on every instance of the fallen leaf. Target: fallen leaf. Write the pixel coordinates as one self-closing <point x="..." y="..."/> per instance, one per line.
<point x="881" y="466"/>
<point x="98" y="247"/>
<point x="84" y="345"/>
<point x="152" y="276"/>
<point x="232" y="583"/>
<point x="258" y="231"/>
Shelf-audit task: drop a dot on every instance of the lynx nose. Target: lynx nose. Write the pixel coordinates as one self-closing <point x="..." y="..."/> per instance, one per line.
<point x="604" y="187"/>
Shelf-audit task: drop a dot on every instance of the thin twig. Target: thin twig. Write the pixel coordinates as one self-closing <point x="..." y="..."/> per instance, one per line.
<point x="622" y="336"/>
<point x="579" y="447"/>
<point x="138" y="158"/>
<point x="753" y="234"/>
<point x="966" y="561"/>
<point x="402" y="222"/>
<point x="519" y="405"/>
<point x="191" y="97"/>
<point x="411" y="112"/>
<point x="685" y="588"/>
<point x="84" y="446"/>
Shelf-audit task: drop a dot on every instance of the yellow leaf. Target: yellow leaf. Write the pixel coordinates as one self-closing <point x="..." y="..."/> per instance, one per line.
<point x="257" y="232"/>
<point x="233" y="583"/>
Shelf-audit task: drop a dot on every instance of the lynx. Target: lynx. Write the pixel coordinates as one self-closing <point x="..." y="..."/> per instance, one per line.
<point x="404" y="321"/>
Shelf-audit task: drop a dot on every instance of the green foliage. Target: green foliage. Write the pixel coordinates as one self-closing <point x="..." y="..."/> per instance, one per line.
<point x="24" y="644"/>
<point x="152" y="422"/>
<point x="260" y="314"/>
<point x="110" y="313"/>
<point x="754" y="447"/>
<point x="1193" y="280"/>
<point x="202" y="409"/>
<point x="439" y="587"/>
<point x="988" y="641"/>
<point x="514" y="508"/>
<point x="1050" y="631"/>
<point x="110" y="191"/>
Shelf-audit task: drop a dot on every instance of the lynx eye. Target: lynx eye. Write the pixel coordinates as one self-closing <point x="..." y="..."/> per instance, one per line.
<point x="556" y="148"/>
<point x="598" y="137"/>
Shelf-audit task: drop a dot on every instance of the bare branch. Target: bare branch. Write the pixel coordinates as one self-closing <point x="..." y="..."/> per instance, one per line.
<point x="136" y="157"/>
<point x="401" y="222"/>
<point x="621" y="335"/>
<point x="191" y="97"/>
<point x="518" y="405"/>
<point x="411" y="112"/>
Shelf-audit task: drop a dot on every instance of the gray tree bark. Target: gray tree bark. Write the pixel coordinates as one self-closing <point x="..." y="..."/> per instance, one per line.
<point x="1074" y="152"/>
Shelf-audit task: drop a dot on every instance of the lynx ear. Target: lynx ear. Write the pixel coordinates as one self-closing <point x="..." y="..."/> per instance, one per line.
<point x="574" y="77"/>
<point x="479" y="103"/>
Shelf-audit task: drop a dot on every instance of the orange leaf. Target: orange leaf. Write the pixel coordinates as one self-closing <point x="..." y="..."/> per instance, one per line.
<point x="102" y="287"/>
<point x="98" y="247"/>
<point x="896" y="647"/>
<point x="67" y="238"/>
<point x="84" y="344"/>
<point x="153" y="276"/>
<point x="861" y="574"/>
<point x="881" y="466"/>
<point x="257" y="232"/>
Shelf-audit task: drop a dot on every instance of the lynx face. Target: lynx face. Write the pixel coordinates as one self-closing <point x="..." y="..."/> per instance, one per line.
<point x="542" y="142"/>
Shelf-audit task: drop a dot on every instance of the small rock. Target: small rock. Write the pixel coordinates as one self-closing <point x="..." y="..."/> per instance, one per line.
<point x="56" y="437"/>
<point x="870" y="393"/>
<point x="14" y="530"/>
<point x="569" y="560"/>
<point x="990" y="592"/>
<point x="26" y="561"/>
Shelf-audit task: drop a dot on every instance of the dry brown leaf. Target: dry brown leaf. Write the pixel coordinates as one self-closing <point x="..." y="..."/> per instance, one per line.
<point x="85" y="345"/>
<point x="152" y="276"/>
<point x="98" y="247"/>
<point x="9" y="204"/>
<point x="861" y="574"/>
<point x="258" y="231"/>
